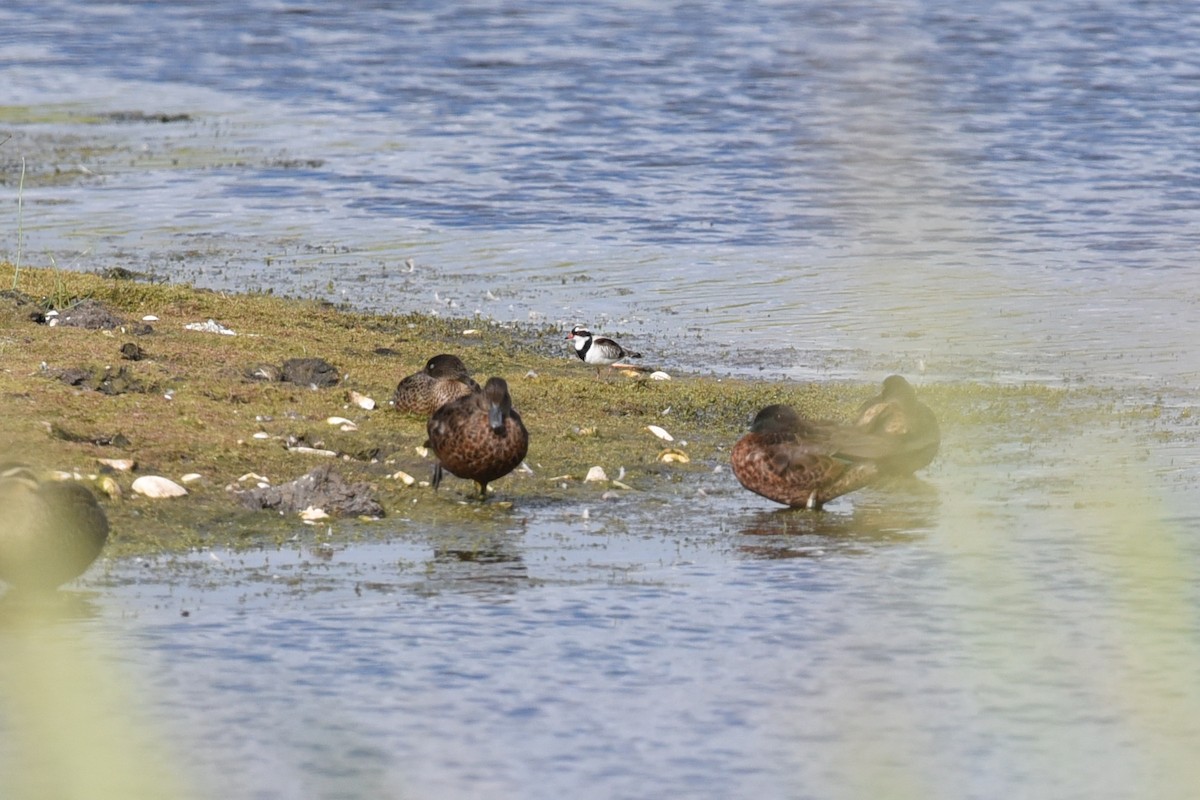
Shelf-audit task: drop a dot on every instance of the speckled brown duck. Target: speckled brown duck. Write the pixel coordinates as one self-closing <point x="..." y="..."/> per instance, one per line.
<point x="794" y="461"/>
<point x="444" y="378"/>
<point x="479" y="437"/>
<point x="50" y="531"/>
<point x="908" y="425"/>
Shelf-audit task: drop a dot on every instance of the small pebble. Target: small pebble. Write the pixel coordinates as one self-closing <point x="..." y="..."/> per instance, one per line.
<point x="157" y="486"/>
<point x="362" y="401"/>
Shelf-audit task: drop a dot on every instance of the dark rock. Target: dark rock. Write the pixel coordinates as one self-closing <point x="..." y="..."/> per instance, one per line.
<point x="103" y="440"/>
<point x="75" y="376"/>
<point x="322" y="488"/>
<point x="264" y="372"/>
<point x="131" y="352"/>
<point x="315" y="372"/>
<point x="124" y="274"/>
<point x="102" y="379"/>
<point x="90" y="314"/>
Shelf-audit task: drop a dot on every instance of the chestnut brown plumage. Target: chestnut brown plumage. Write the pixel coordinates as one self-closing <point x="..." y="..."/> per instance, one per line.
<point x="795" y="461"/>
<point x="50" y="531"/>
<point x="479" y="437"/>
<point x="443" y="378"/>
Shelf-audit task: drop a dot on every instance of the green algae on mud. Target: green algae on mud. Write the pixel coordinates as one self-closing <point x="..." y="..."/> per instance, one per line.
<point x="195" y="411"/>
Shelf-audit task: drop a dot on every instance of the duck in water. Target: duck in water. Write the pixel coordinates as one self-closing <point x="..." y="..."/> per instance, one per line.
<point x="479" y="437"/>
<point x="797" y="462"/>
<point x="908" y="426"/>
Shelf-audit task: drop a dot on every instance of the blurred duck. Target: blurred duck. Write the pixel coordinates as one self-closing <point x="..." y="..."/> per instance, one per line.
<point x="444" y="378"/>
<point x="479" y="437"/>
<point x="907" y="425"/>
<point x="50" y="531"/>
<point x="798" y="462"/>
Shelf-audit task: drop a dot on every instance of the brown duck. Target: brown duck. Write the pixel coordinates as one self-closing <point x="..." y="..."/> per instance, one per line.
<point x="444" y="378"/>
<point x="479" y="437"/>
<point x="50" y="531"/>
<point x="798" y="462"/>
<point x="907" y="425"/>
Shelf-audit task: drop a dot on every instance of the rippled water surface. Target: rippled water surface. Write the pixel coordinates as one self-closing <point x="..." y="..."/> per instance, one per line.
<point x="992" y="188"/>
<point x="1000" y="192"/>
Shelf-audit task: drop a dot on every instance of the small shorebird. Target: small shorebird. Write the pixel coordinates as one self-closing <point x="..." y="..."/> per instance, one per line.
<point x="444" y="378"/>
<point x="597" y="350"/>
<point x="51" y="531"/>
<point x="797" y="462"/>
<point x="479" y="437"/>
<point x="907" y="424"/>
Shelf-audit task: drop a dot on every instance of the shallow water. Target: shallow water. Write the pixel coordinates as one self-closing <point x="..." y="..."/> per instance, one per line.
<point x="994" y="192"/>
<point x="1015" y="623"/>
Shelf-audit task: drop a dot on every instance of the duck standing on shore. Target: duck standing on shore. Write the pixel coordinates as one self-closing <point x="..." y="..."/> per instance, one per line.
<point x="50" y="531"/>
<point x="443" y="378"/>
<point x="479" y="437"/>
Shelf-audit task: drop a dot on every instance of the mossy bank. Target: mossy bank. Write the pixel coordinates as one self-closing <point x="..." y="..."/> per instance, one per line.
<point x="188" y="406"/>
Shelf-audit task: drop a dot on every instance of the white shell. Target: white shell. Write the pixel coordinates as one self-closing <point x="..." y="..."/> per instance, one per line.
<point x="362" y="401"/>
<point x="673" y="456"/>
<point x="471" y="332"/>
<point x="312" y="451"/>
<point x="313" y="514"/>
<point x="149" y="318"/>
<point x="212" y="326"/>
<point x="119" y="464"/>
<point x="191" y="477"/>
<point x="261" y="435"/>
<point x="339" y="421"/>
<point x="423" y="452"/>
<point x="660" y="433"/>
<point x="253" y="476"/>
<point x="157" y="486"/>
<point x="659" y="375"/>
<point x="596" y="474"/>
<point x="404" y="477"/>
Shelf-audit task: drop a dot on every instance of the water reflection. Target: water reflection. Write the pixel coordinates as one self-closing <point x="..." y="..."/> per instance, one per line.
<point x="898" y="513"/>
<point x="19" y="608"/>
<point x="488" y="562"/>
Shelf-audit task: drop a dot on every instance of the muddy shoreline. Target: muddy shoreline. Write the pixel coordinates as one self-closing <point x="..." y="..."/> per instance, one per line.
<point x="189" y="406"/>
